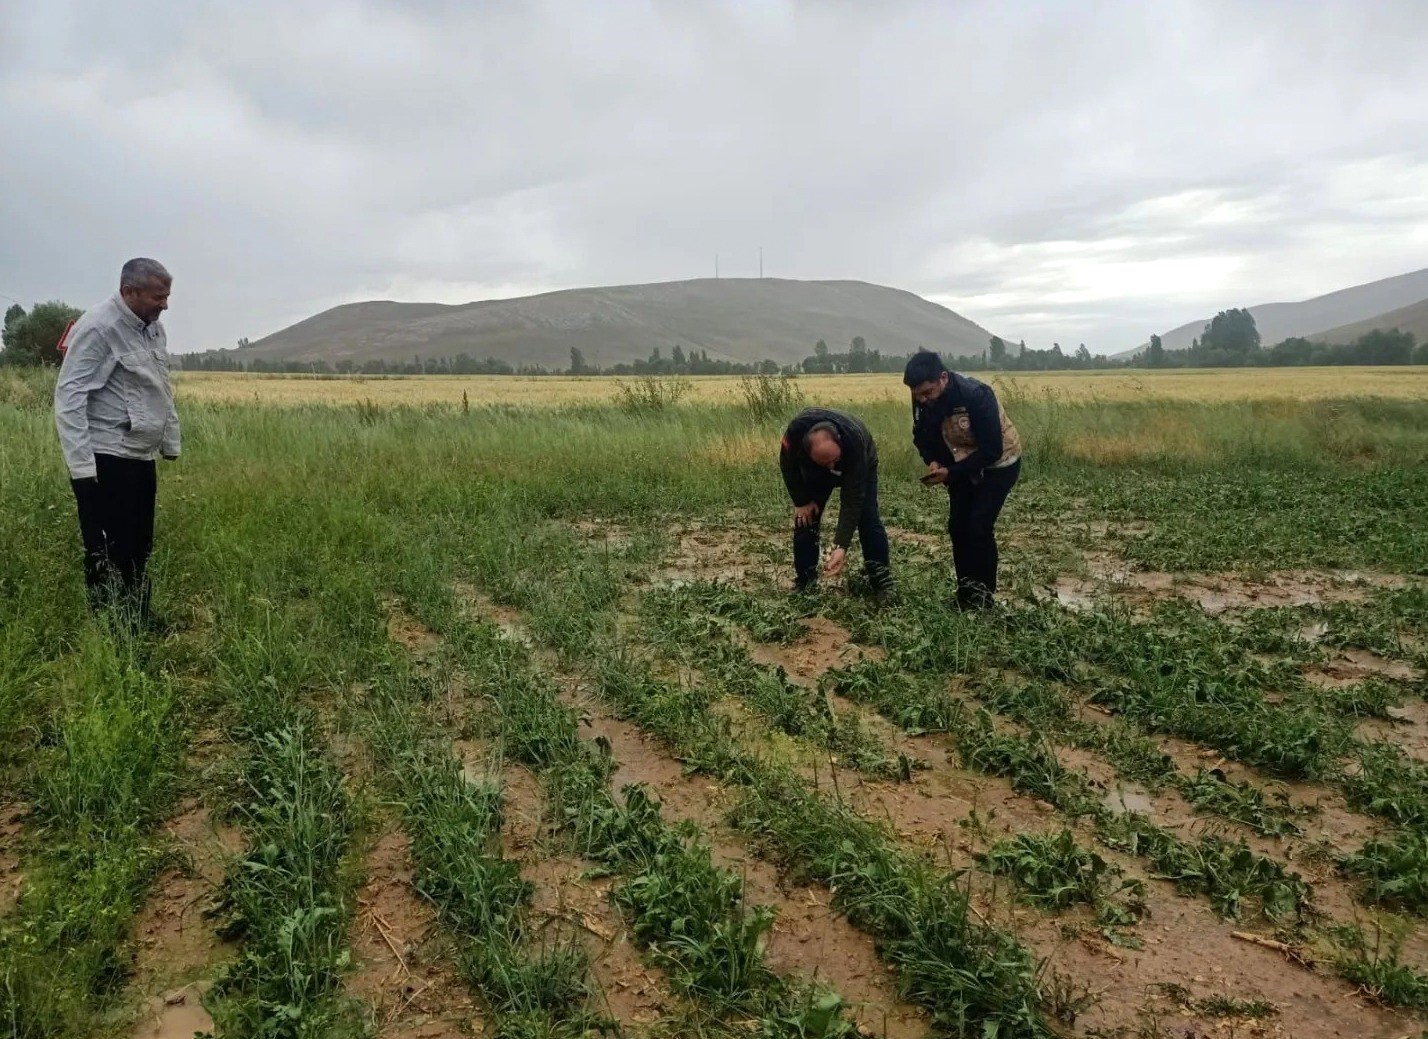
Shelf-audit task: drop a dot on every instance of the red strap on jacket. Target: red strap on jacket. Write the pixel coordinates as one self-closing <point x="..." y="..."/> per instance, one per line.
<point x="64" y="339"/>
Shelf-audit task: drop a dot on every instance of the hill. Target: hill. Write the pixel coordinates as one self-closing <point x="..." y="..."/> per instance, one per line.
<point x="1412" y="318"/>
<point x="1312" y="318"/>
<point x="745" y="320"/>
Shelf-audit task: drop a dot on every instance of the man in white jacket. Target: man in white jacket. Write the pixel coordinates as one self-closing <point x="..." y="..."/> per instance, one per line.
<point x="114" y="409"/>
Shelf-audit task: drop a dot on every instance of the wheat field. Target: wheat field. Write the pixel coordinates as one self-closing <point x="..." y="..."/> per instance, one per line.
<point x="1191" y="385"/>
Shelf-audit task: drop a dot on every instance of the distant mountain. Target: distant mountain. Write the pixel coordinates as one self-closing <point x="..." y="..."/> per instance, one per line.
<point x="1313" y="317"/>
<point x="734" y="319"/>
<point x="1412" y="318"/>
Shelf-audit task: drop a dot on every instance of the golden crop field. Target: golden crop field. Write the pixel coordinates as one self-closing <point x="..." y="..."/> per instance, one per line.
<point x="1196" y="384"/>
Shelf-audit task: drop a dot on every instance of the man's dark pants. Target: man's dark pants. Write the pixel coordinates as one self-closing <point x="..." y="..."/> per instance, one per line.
<point x="116" y="523"/>
<point x="872" y="535"/>
<point x="971" y="523"/>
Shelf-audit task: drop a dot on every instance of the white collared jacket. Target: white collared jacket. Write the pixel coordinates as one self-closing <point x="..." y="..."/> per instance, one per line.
<point x="115" y="395"/>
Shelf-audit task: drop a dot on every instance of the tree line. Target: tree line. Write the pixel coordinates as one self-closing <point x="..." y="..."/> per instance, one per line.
<point x="1230" y="339"/>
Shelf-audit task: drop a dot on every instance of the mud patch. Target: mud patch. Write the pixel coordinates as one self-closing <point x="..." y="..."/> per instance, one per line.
<point x="808" y="938"/>
<point x="632" y="992"/>
<point x="399" y="974"/>
<point x="930" y="542"/>
<point x="825" y="645"/>
<point x="716" y="554"/>
<point x="1353" y="666"/>
<point x="480" y="607"/>
<point x="408" y="632"/>
<point x="175" y="945"/>
<point x="1406" y="727"/>
<point x="12" y="821"/>
<point x="1110" y="577"/>
<point x="604" y="534"/>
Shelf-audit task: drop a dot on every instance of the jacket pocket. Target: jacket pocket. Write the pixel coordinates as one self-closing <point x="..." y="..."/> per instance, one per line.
<point x="143" y="401"/>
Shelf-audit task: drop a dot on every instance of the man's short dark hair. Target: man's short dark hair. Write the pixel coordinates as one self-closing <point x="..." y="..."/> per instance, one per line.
<point x="923" y="366"/>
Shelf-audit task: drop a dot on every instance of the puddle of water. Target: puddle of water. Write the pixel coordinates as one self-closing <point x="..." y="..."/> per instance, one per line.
<point x="1129" y="799"/>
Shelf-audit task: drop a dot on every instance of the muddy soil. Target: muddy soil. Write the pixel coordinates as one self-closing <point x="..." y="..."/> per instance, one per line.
<point x="1406" y="726"/>
<point x="951" y="814"/>
<point x="808" y="939"/>
<point x="400" y="958"/>
<point x="1184" y="941"/>
<point x="632" y="992"/>
<point x="12" y="821"/>
<point x="408" y="632"/>
<point x="824" y="646"/>
<point x="176" y="949"/>
<point x="1352" y="666"/>
<point x="708" y="553"/>
<point x="1109" y="577"/>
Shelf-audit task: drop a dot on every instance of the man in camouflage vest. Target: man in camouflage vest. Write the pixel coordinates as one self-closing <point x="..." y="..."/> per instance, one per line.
<point x="971" y="448"/>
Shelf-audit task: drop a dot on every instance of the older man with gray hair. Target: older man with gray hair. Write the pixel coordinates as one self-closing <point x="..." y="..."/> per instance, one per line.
<point x="114" y="408"/>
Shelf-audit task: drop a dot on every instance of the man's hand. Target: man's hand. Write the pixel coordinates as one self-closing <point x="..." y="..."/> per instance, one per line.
<point x="804" y="515"/>
<point x="936" y="474"/>
<point x="836" y="558"/>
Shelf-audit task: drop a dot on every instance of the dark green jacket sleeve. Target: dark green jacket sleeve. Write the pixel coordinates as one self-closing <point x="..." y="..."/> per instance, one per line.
<point x="855" y="486"/>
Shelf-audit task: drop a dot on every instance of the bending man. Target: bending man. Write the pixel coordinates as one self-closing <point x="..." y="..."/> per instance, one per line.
<point x="823" y="449"/>
<point x="971" y="447"/>
<point x="114" y="408"/>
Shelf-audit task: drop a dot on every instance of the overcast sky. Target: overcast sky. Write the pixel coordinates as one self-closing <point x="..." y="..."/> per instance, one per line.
<point x="1066" y="171"/>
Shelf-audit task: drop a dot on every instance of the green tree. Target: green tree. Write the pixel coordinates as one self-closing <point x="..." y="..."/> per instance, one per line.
<point x="1155" y="355"/>
<point x="1083" y="356"/>
<point x="1383" y="347"/>
<point x="821" y="363"/>
<point x="998" y="354"/>
<point x="678" y="356"/>
<point x="34" y="338"/>
<point x="577" y="362"/>
<point x="858" y="355"/>
<point x="1232" y="332"/>
<point x="1291" y="351"/>
<point x="13" y="317"/>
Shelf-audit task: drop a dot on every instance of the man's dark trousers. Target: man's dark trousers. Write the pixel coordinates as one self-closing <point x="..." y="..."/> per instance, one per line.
<point x="116" y="523"/>
<point x="872" y="535"/>
<point x="971" y="523"/>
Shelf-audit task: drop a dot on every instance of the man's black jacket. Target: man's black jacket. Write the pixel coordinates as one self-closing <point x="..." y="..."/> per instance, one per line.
<point x="800" y="472"/>
<point x="983" y="417"/>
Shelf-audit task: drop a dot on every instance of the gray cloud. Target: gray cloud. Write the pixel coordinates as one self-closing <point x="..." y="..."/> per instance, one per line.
<point x="1087" y="172"/>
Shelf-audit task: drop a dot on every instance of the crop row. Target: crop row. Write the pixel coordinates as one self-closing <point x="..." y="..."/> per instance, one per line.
<point x="967" y="975"/>
<point x="98" y="793"/>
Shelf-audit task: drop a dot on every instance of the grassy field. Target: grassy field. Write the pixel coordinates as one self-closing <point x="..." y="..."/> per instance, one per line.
<point x="498" y="720"/>
<point x="1198" y="385"/>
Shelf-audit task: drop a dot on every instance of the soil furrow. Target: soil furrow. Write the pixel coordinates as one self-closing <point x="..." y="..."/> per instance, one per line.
<point x="177" y="949"/>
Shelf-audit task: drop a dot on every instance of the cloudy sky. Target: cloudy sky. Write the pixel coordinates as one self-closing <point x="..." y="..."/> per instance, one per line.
<point x="1070" y="171"/>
